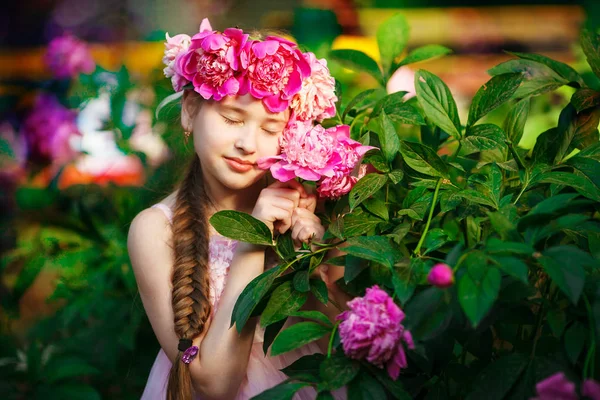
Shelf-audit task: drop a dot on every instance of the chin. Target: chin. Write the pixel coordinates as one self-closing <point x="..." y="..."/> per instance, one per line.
<point x="240" y="181"/>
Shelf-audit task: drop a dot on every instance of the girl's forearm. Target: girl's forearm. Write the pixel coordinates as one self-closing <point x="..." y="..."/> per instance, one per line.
<point x="224" y="353"/>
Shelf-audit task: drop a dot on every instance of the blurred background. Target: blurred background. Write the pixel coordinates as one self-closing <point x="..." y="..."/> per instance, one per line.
<point x="83" y="151"/>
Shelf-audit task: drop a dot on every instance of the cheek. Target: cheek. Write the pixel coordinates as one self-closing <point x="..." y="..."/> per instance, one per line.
<point x="270" y="146"/>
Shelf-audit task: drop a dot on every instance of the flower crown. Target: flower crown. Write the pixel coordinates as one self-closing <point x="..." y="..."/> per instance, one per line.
<point x="218" y="64"/>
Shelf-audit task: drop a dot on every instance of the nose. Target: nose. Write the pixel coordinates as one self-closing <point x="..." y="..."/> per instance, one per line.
<point x="246" y="140"/>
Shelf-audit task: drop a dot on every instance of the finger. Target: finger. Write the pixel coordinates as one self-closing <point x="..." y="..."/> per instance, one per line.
<point x="309" y="202"/>
<point x="291" y="184"/>
<point x="290" y="194"/>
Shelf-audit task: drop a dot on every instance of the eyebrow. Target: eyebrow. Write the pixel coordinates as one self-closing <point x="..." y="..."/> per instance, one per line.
<point x="241" y="111"/>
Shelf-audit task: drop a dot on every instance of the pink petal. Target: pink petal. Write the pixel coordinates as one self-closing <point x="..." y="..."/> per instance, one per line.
<point x="591" y="389"/>
<point x="261" y="49"/>
<point x="396" y="364"/>
<point x="266" y="162"/>
<point x="275" y="104"/>
<point x="307" y="174"/>
<point x="205" y="91"/>
<point x="282" y="174"/>
<point x="205" y="25"/>
<point x="230" y="87"/>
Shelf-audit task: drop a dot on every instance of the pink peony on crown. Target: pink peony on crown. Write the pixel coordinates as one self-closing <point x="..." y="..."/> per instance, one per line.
<point x="219" y="64"/>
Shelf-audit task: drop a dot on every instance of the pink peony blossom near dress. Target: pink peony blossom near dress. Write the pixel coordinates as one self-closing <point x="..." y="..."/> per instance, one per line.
<point x="372" y="329"/>
<point x="67" y="56"/>
<point x="274" y="71"/>
<point x="556" y="387"/>
<point x="49" y="129"/>
<point x="212" y="60"/>
<point x="316" y="99"/>
<point x="441" y="276"/>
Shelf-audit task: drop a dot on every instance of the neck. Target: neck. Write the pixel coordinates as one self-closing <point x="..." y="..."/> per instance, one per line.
<point x="223" y="198"/>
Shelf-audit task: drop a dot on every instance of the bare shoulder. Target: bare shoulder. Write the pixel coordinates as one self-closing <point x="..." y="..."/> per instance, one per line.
<point x="149" y="238"/>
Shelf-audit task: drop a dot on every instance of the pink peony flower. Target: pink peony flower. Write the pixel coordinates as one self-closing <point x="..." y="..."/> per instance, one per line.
<point x="372" y="329"/>
<point x="349" y="151"/>
<point x="336" y="186"/>
<point x="556" y="387"/>
<point x="591" y="389"/>
<point x="49" y="129"/>
<point x="68" y="56"/>
<point x="175" y="47"/>
<point x="316" y="99"/>
<point x="212" y="60"/>
<point x="275" y="69"/>
<point x="307" y="152"/>
<point x="441" y="276"/>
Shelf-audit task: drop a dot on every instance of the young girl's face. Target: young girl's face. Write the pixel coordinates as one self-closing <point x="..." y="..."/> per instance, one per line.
<point x="231" y="135"/>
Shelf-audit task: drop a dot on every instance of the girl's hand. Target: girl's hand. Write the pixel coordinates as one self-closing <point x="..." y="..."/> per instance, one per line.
<point x="306" y="226"/>
<point x="276" y="204"/>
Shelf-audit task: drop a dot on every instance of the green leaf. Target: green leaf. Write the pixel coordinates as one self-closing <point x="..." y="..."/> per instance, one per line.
<point x="373" y="248"/>
<point x="560" y="264"/>
<point x="562" y="69"/>
<point x="585" y="98"/>
<point x="404" y="280"/>
<point x="423" y="159"/>
<point x="583" y="185"/>
<point x="283" y="391"/>
<point x="338" y="370"/>
<point x="365" y="387"/>
<point x="377" y="207"/>
<point x="283" y="301"/>
<point x="496" y="246"/>
<point x="67" y="367"/>
<point x="319" y="289"/>
<point x="71" y="391"/>
<point x="396" y="176"/>
<point x="590" y="42"/>
<point x="285" y="246"/>
<point x="301" y="281"/>
<point x="423" y="53"/>
<point x="437" y="102"/>
<point x="388" y="138"/>
<point x="305" y="365"/>
<point x="366" y="187"/>
<point x="588" y="167"/>
<point x="297" y="336"/>
<point x="271" y="333"/>
<point x="513" y="267"/>
<point x="242" y="227"/>
<point x="356" y="100"/>
<point x="388" y="102"/>
<point x="358" y="223"/>
<point x="392" y="36"/>
<point x="493" y="94"/>
<point x="353" y="267"/>
<point x="497" y="378"/>
<point x="251" y="296"/>
<point x="478" y="290"/>
<point x="557" y="321"/>
<point x="514" y="124"/>
<point x="574" y="341"/>
<point x="538" y="78"/>
<point x="477" y="197"/>
<point x="314" y="315"/>
<point x="435" y="239"/>
<point x="358" y="61"/>
<point x="484" y="137"/>
<point x="404" y="114"/>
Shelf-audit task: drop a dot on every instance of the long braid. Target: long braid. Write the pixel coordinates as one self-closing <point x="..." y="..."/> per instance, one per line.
<point x="191" y="284"/>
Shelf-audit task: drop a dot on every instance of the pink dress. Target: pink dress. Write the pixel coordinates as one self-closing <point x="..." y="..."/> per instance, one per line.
<point x="263" y="372"/>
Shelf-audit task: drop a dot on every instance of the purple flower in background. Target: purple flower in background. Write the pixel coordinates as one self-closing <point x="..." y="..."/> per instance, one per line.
<point x="49" y="129"/>
<point x="591" y="389"/>
<point x="372" y="329"/>
<point x="68" y="56"/>
<point x="441" y="276"/>
<point x="556" y="387"/>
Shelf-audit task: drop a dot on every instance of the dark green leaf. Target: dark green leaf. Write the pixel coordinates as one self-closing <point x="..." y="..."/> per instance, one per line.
<point x="251" y="296"/>
<point x="496" y="246"/>
<point x="297" y="336"/>
<point x="373" y="248"/>
<point x="562" y="69"/>
<point x="388" y="103"/>
<point x="437" y="102"/>
<point x="319" y="289"/>
<point x="484" y="137"/>
<point x="314" y="315"/>
<point x="338" y="370"/>
<point x="477" y="197"/>
<point x="377" y="207"/>
<point x="354" y="266"/>
<point x="356" y="100"/>
<point x="283" y="301"/>
<point x="305" y="365"/>
<point x="358" y="223"/>
<point x="404" y="114"/>
<point x="283" y="391"/>
<point x="557" y="321"/>
<point x="435" y="239"/>
<point x="405" y="280"/>
<point x="580" y="183"/>
<point x="538" y="78"/>
<point x="574" y="341"/>
<point x="585" y="98"/>
<point x="565" y="265"/>
<point x="513" y="267"/>
<point x="71" y="391"/>
<point x="394" y="387"/>
<point x="392" y="36"/>
<point x="494" y="382"/>
<point x="423" y="159"/>
<point x="242" y="227"/>
<point x="478" y="290"/>
<point x="396" y="176"/>
<point x="357" y="61"/>
<point x="388" y="138"/>
<point x="498" y="90"/>
<point x="366" y="187"/>
<point x="300" y="281"/>
<point x="590" y="42"/>
<point x="365" y="387"/>
<point x="514" y="124"/>
<point x="423" y="53"/>
<point x="67" y="367"/>
<point x="271" y="333"/>
<point x="285" y="246"/>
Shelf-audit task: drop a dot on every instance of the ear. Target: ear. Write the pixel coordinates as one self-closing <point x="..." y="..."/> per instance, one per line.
<point x="186" y="115"/>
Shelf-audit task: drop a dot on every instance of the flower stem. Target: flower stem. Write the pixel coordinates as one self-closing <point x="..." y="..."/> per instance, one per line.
<point x="435" y="196"/>
<point x="588" y="367"/>
<point x="330" y="346"/>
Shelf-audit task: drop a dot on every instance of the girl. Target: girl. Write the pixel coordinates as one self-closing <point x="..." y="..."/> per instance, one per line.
<point x="188" y="276"/>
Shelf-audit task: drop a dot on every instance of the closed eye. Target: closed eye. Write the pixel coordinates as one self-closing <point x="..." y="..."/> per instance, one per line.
<point x="271" y="132"/>
<point x="230" y="121"/>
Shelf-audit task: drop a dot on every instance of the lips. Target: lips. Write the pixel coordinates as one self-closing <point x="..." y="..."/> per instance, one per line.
<point x="239" y="165"/>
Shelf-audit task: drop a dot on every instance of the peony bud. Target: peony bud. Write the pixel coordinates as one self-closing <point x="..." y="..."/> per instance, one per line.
<point x="441" y="276"/>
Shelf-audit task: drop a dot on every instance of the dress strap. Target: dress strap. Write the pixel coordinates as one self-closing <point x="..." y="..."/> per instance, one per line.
<point x="166" y="209"/>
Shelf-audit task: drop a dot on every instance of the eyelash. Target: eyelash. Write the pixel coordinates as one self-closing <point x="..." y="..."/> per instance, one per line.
<point x="233" y="122"/>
